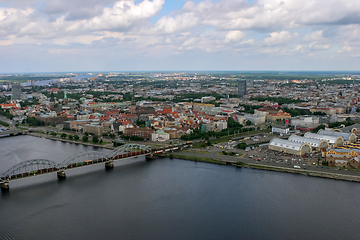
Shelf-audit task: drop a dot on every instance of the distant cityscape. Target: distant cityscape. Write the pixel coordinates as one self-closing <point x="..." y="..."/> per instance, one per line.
<point x="301" y="115"/>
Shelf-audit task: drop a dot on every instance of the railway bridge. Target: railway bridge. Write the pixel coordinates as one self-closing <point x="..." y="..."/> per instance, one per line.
<point x="10" y="133"/>
<point x="36" y="167"/>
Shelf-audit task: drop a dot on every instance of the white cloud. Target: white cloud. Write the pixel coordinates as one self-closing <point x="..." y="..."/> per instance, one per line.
<point x="234" y="36"/>
<point x="317" y="46"/>
<point x="314" y="36"/>
<point x="279" y="38"/>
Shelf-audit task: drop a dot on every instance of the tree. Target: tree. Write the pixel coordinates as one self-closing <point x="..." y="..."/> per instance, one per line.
<point x="85" y="138"/>
<point x="76" y="137"/>
<point x="71" y="137"/>
<point x="104" y="134"/>
<point x="63" y="135"/>
<point x="53" y="133"/>
<point x="101" y="141"/>
<point x="111" y="135"/>
<point x="242" y="146"/>
<point x="248" y="123"/>
<point x="86" y="134"/>
<point x="95" y="139"/>
<point x="321" y="126"/>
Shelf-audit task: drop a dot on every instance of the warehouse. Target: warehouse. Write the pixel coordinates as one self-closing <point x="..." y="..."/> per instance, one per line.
<point x="290" y="147"/>
<point x="348" y="137"/>
<point x="332" y="140"/>
<point x="316" y="144"/>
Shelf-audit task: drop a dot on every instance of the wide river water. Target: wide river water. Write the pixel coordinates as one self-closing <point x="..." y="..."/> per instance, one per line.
<point x="169" y="199"/>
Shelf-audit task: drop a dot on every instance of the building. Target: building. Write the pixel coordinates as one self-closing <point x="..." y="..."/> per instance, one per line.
<point x="207" y="99"/>
<point x="332" y="140"/>
<point x="280" y="130"/>
<point x="278" y="116"/>
<point x="291" y="147"/>
<point x="316" y="144"/>
<point x="160" y="136"/>
<point x="255" y="119"/>
<point x="305" y="121"/>
<point x="348" y="137"/>
<point x="140" y="132"/>
<point x="93" y="129"/>
<point x="241" y="88"/>
<point x="16" y="91"/>
<point x="173" y="134"/>
<point x="342" y="157"/>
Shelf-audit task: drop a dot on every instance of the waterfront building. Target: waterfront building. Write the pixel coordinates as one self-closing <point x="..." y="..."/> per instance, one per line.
<point x="334" y="141"/>
<point x="348" y="137"/>
<point x="140" y="132"/>
<point x="291" y="147"/>
<point x="316" y="144"/>
<point x="93" y="129"/>
<point x="343" y="157"/>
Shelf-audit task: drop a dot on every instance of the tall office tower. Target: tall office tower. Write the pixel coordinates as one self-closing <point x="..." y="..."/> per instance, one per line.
<point x="241" y="87"/>
<point x="16" y="91"/>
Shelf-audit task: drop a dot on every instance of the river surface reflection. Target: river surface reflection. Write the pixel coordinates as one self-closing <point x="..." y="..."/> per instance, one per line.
<point x="169" y="199"/>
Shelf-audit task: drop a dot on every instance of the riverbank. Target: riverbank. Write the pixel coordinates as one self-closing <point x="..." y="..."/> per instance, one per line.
<point x="70" y="141"/>
<point x="309" y="173"/>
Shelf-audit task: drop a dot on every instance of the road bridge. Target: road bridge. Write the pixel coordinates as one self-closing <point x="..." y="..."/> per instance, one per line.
<point x="36" y="167"/>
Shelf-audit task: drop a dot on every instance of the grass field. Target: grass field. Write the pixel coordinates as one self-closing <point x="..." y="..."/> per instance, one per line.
<point x="232" y="154"/>
<point x="198" y="159"/>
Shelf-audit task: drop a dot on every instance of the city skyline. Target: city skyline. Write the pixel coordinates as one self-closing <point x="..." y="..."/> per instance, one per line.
<point x="158" y="35"/>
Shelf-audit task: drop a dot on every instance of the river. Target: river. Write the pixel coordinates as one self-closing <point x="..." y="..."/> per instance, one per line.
<point x="169" y="199"/>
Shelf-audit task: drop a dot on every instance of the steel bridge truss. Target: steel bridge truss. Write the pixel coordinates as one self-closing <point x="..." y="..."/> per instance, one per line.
<point x="129" y="150"/>
<point x="84" y="158"/>
<point x="41" y="166"/>
<point x="29" y="168"/>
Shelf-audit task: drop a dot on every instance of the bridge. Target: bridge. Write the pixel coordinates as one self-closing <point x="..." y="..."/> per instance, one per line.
<point x="10" y="133"/>
<point x="36" y="167"/>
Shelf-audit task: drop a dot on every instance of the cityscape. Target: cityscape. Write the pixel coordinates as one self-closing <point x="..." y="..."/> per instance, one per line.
<point x="154" y="119"/>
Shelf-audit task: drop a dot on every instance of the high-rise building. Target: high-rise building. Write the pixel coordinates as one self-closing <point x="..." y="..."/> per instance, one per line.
<point x="16" y="91"/>
<point x="241" y="87"/>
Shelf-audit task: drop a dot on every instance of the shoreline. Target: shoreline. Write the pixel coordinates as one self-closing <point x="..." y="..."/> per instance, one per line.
<point x="70" y="141"/>
<point x="334" y="176"/>
<point x="234" y="163"/>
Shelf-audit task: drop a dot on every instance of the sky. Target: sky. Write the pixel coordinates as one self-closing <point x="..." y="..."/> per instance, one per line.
<point x="179" y="35"/>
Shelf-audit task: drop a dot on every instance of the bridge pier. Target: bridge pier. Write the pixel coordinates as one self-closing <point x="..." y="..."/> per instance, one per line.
<point x="149" y="157"/>
<point x="5" y="186"/>
<point x="61" y="174"/>
<point x="109" y="164"/>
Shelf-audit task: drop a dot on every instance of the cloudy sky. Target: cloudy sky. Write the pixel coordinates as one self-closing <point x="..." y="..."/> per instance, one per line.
<point x="144" y="35"/>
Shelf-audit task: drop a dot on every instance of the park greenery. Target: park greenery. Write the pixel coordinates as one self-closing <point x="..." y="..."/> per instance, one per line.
<point x="233" y="127"/>
<point x="34" y="122"/>
<point x="4" y="123"/>
<point x="95" y="139"/>
<point x="133" y="138"/>
<point x="279" y="100"/>
<point x="241" y="145"/>
<point x="6" y="114"/>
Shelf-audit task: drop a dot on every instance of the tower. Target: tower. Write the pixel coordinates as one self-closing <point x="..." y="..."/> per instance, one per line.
<point x="133" y="102"/>
<point x="65" y="97"/>
<point x="241" y="87"/>
<point x="16" y="91"/>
